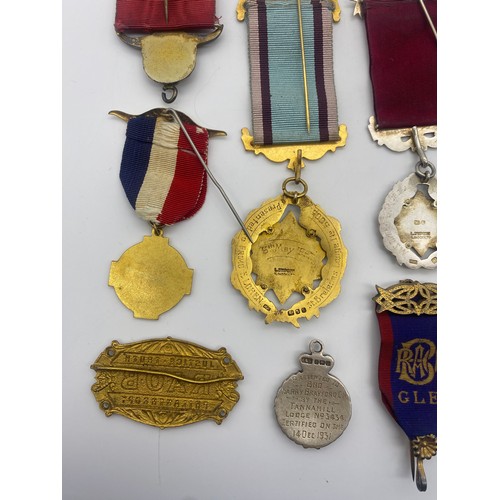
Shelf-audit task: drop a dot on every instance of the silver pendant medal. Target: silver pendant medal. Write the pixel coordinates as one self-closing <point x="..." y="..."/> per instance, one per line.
<point x="312" y="407"/>
<point x="408" y="219"/>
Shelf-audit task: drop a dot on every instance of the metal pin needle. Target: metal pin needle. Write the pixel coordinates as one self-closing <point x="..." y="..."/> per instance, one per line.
<point x="304" y="70"/>
<point x="205" y="166"/>
<point x="429" y="19"/>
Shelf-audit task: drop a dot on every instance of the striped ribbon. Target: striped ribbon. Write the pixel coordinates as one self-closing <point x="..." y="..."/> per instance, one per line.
<point x="276" y="73"/>
<point x="146" y="16"/>
<point x="163" y="179"/>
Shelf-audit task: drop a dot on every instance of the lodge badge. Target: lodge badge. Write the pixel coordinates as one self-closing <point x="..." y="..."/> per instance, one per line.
<point x="294" y="117"/>
<point x="407" y="371"/>
<point x="166" y="383"/>
<point x="313" y="408"/>
<point x="408" y="222"/>
<point x="289" y="255"/>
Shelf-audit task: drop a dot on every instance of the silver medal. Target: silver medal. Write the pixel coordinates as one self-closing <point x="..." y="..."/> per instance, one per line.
<point x="313" y="408"/>
<point x="408" y="222"/>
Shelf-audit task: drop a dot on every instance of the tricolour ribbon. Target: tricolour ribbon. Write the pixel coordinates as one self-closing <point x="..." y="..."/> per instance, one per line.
<point x="403" y="62"/>
<point x="147" y="16"/>
<point x="163" y="179"/>
<point x="276" y="72"/>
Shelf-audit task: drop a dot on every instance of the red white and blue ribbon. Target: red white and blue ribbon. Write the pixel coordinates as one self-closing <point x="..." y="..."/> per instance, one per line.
<point x="162" y="177"/>
<point x="276" y="71"/>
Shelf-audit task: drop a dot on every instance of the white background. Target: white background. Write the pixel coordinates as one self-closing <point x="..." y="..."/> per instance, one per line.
<point x="247" y="457"/>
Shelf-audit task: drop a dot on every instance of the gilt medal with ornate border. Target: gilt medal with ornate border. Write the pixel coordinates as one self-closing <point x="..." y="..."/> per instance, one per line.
<point x="166" y="382"/>
<point x="306" y="256"/>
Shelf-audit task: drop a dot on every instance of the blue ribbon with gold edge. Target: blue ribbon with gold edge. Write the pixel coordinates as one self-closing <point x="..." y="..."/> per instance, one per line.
<point x="276" y="71"/>
<point x="407" y="317"/>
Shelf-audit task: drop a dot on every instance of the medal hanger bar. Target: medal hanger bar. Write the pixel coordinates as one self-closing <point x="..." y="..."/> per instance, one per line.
<point x="241" y="10"/>
<point x="290" y="152"/>
<point x="400" y="139"/>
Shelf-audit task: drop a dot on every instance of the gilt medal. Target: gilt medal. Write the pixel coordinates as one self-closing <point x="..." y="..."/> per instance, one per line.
<point x="292" y="247"/>
<point x="166" y="382"/>
<point x="165" y="183"/>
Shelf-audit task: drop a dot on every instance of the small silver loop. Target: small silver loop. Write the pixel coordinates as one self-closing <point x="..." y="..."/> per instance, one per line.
<point x="314" y="344"/>
<point x="425" y="170"/>
<point x="169" y="87"/>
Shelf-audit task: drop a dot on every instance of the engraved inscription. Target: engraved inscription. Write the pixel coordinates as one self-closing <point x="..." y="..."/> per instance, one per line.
<point x="419" y="239"/>
<point x="291" y="261"/>
<point x="166" y="383"/>
<point x="313" y="408"/>
<point x="408" y="222"/>
<point x="285" y="259"/>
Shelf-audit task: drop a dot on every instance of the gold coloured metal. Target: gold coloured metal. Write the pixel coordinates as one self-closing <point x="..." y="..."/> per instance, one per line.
<point x="166" y="114"/>
<point x="304" y="70"/>
<point x="299" y="255"/>
<point x="408" y="297"/>
<point x="166" y="382"/>
<point x="336" y="11"/>
<point x="422" y="448"/>
<point x="283" y="152"/>
<point x="400" y="139"/>
<point x="241" y="10"/>
<point x="289" y="255"/>
<point x="151" y="277"/>
<point x="169" y="57"/>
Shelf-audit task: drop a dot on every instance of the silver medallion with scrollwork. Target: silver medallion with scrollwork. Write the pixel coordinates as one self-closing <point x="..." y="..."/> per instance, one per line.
<point x="408" y="222"/>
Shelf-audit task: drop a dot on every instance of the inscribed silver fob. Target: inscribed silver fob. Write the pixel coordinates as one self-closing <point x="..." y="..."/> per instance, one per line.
<point x="313" y="408"/>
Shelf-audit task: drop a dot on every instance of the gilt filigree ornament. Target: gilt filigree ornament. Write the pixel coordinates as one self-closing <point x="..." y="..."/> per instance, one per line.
<point x="408" y="297"/>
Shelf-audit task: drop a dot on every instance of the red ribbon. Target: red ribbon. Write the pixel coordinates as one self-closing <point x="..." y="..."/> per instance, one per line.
<point x="146" y="16"/>
<point x="403" y="62"/>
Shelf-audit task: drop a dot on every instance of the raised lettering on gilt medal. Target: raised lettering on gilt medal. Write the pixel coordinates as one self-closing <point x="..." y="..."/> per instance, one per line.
<point x="304" y="255"/>
<point x="166" y="383"/>
<point x="313" y="408"/>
